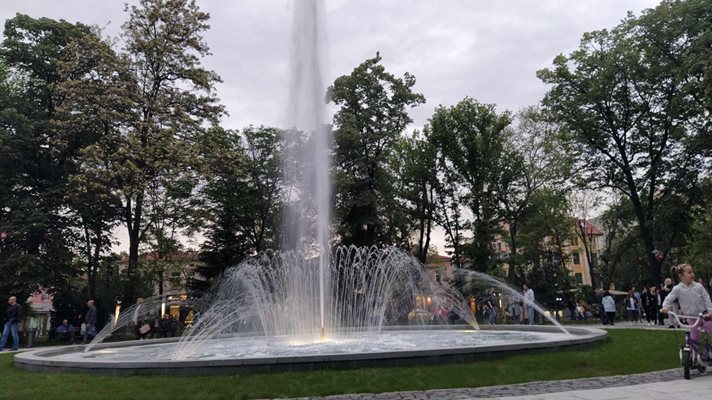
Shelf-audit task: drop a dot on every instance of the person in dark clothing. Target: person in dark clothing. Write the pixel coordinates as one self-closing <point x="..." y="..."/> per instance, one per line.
<point x="664" y="292"/>
<point x="652" y="303"/>
<point x="89" y="322"/>
<point x="65" y="331"/>
<point x="13" y="316"/>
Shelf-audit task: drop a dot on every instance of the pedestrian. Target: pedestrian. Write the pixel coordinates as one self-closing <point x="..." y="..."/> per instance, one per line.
<point x="609" y="307"/>
<point x="665" y="290"/>
<point x="89" y="322"/>
<point x="32" y="324"/>
<point x="529" y="304"/>
<point x="652" y="303"/>
<point x="631" y="305"/>
<point x="515" y="307"/>
<point x="13" y="316"/>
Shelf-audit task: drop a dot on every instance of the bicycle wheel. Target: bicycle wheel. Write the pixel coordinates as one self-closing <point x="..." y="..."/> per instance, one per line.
<point x="686" y="362"/>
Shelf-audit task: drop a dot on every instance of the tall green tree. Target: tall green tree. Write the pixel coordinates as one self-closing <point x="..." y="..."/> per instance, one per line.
<point x="242" y="196"/>
<point x="415" y="165"/>
<point x="531" y="160"/>
<point x="371" y="117"/>
<point x="37" y="235"/>
<point x="470" y="139"/>
<point x="545" y="232"/>
<point x="627" y="107"/>
<point x="98" y="96"/>
<point x="176" y="102"/>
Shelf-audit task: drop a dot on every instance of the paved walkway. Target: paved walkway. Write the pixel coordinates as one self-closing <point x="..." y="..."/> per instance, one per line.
<point x="659" y="385"/>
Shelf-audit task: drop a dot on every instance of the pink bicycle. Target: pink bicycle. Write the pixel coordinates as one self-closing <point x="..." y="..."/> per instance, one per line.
<point x="694" y="354"/>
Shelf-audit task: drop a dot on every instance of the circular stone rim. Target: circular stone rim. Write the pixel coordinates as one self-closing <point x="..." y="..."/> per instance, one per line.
<point x="41" y="359"/>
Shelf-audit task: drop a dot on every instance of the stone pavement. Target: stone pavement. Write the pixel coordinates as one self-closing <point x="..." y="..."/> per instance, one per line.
<point x="665" y="385"/>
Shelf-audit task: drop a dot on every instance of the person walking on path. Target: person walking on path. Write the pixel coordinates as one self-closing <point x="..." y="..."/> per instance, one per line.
<point x="13" y="316"/>
<point x="529" y="300"/>
<point x="32" y="324"/>
<point x="89" y="322"/>
<point x="693" y="299"/>
<point x="652" y="303"/>
<point x="609" y="307"/>
<point x="631" y="304"/>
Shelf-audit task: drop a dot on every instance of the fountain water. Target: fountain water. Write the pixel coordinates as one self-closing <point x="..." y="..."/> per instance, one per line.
<point x="306" y="166"/>
<point x="277" y="295"/>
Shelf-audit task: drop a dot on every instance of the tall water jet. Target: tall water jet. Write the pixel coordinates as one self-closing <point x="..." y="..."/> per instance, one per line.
<point x="306" y="226"/>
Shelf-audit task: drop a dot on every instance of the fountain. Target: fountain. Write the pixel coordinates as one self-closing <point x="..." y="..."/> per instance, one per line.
<point x="314" y="305"/>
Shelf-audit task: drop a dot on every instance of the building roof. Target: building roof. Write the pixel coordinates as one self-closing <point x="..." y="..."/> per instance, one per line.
<point x="591" y="229"/>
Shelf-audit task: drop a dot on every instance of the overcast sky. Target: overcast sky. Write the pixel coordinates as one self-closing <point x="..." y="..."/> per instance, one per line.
<point x="489" y="50"/>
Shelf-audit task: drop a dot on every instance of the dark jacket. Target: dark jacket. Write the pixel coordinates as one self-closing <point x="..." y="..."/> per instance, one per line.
<point x="90" y="318"/>
<point x="13" y="314"/>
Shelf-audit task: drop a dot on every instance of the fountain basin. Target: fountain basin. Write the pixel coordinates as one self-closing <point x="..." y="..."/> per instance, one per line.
<point x="418" y="346"/>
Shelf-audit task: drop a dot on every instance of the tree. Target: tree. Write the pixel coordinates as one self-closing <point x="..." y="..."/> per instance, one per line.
<point x="627" y="108"/>
<point x="530" y="161"/>
<point x="545" y="232"/>
<point x="415" y="164"/>
<point x="369" y="122"/>
<point x="175" y="104"/>
<point x="98" y="95"/>
<point x="242" y="196"/>
<point x="37" y="235"/>
<point x="470" y="141"/>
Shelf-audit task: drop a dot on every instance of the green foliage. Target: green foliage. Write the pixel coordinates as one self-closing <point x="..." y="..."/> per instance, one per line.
<point x="544" y="233"/>
<point x="470" y="138"/>
<point x="532" y="160"/>
<point x="37" y="235"/>
<point x="415" y="164"/>
<point x="369" y="123"/>
<point x="628" y="108"/>
<point x="242" y="197"/>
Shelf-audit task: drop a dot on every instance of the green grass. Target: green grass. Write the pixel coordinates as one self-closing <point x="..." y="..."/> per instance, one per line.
<point x="626" y="351"/>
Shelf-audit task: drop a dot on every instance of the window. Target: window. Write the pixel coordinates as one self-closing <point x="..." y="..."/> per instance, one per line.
<point x="438" y="277"/>
<point x="579" y="278"/>
<point x="577" y="259"/>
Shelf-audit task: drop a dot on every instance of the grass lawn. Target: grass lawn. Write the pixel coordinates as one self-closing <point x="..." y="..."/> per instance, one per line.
<point x="626" y="351"/>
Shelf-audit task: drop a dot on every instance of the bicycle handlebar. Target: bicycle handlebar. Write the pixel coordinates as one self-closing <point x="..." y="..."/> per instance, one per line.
<point x="698" y="319"/>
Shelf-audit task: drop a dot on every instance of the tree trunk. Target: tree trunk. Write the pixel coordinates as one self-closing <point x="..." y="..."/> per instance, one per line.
<point x="512" y="271"/>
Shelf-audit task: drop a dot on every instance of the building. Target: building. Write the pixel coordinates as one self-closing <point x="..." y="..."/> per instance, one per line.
<point x="580" y="252"/>
<point x="584" y="252"/>
<point x="175" y="270"/>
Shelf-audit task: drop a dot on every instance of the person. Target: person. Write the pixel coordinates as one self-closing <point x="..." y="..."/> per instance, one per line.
<point x="65" y="331"/>
<point x="609" y="307"/>
<point x="652" y="303"/>
<point x="515" y="307"/>
<point x="665" y="289"/>
<point x="631" y="303"/>
<point x="488" y="304"/>
<point x="529" y="299"/>
<point x="168" y="327"/>
<point x="32" y="324"/>
<point x="89" y="322"/>
<point x="692" y="298"/>
<point x="13" y="316"/>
